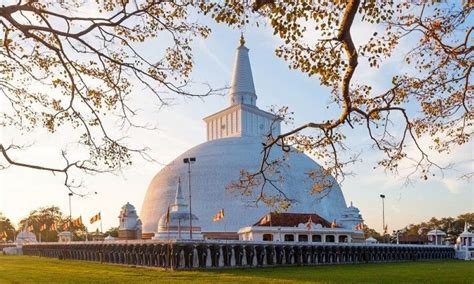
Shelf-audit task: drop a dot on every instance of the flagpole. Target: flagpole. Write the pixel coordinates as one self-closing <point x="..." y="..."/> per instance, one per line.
<point x="100" y="215"/>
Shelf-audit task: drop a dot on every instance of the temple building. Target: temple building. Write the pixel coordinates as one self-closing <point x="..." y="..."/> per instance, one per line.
<point x="130" y="227"/>
<point x="25" y="236"/>
<point x="234" y="142"/>
<point x="300" y="227"/>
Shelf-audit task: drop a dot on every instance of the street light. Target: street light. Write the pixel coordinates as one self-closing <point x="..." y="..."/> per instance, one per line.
<point x="70" y="211"/>
<point x="383" y="215"/>
<point x="189" y="161"/>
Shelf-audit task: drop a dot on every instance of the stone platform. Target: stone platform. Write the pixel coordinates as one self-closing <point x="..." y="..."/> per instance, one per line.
<point x="233" y="254"/>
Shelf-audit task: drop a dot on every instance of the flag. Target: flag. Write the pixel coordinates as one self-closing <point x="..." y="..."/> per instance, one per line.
<point x="95" y="218"/>
<point x="219" y="216"/>
<point x="53" y="227"/>
<point x="309" y="225"/>
<point x="122" y="216"/>
<point x="66" y="226"/>
<point x="267" y="219"/>
<point x="167" y="216"/>
<point x="77" y="222"/>
<point x="334" y="224"/>
<point x="359" y="227"/>
<point x="42" y="227"/>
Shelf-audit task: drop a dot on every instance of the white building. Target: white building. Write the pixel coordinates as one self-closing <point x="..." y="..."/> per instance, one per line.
<point x="298" y="227"/>
<point x="234" y="142"/>
<point x="436" y="237"/>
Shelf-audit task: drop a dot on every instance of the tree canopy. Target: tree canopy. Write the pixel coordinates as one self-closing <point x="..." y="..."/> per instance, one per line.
<point x="453" y="227"/>
<point x="63" y="66"/>
<point x="47" y="216"/>
<point x="7" y="230"/>
<point x="431" y="100"/>
<point x="87" y="64"/>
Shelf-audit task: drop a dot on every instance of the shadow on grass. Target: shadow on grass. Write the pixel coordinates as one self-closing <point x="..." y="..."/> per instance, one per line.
<point x="453" y="271"/>
<point x="26" y="269"/>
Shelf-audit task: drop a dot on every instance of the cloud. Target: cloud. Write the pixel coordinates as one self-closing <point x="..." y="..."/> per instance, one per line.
<point x="454" y="186"/>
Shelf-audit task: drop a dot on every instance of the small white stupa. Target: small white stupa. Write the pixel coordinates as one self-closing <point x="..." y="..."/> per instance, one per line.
<point x="175" y="223"/>
<point x="130" y="227"/>
<point x="350" y="217"/>
<point x="466" y="238"/>
<point x="25" y="237"/>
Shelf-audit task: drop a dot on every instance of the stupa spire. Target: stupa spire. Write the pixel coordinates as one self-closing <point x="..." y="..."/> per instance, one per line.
<point x="179" y="194"/>
<point x="179" y="203"/>
<point x="242" y="88"/>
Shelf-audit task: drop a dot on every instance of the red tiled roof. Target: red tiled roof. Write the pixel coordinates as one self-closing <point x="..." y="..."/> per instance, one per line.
<point x="290" y="220"/>
<point x="412" y="239"/>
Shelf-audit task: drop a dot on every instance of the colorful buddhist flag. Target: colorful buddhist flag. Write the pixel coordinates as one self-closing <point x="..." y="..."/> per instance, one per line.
<point x="359" y="227"/>
<point x="219" y="216"/>
<point x="309" y="225"/>
<point x="77" y="222"/>
<point x="42" y="227"/>
<point x="267" y="219"/>
<point x="96" y="218"/>
<point x="53" y="227"/>
<point x="65" y="226"/>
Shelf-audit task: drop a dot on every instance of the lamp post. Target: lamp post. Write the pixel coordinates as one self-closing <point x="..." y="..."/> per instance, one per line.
<point x="189" y="161"/>
<point x="383" y="215"/>
<point x="70" y="215"/>
<point x="70" y="211"/>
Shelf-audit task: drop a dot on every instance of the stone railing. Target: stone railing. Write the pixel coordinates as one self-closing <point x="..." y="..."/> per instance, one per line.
<point x="6" y="245"/>
<point x="227" y="254"/>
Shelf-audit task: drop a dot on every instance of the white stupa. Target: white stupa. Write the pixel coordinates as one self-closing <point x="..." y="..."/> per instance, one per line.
<point x="234" y="142"/>
<point x="350" y="217"/>
<point x="25" y="236"/>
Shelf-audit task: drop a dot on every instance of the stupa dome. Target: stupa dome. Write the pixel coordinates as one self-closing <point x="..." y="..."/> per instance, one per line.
<point x="235" y="143"/>
<point x="218" y="163"/>
<point x="25" y="237"/>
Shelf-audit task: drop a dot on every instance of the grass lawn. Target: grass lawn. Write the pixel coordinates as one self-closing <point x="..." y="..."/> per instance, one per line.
<point x="28" y="269"/>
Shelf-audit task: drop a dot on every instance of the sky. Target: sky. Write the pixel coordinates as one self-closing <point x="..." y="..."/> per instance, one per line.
<point x="180" y="127"/>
